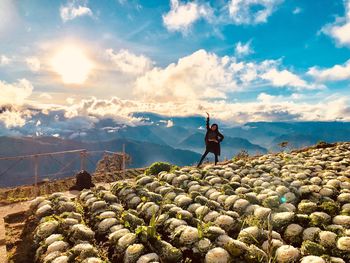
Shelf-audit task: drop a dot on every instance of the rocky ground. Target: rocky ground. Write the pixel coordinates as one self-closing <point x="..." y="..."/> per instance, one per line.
<point x="286" y="207"/>
<point x="28" y="192"/>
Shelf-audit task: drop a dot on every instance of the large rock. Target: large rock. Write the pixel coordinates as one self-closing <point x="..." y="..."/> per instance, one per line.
<point x="287" y="254"/>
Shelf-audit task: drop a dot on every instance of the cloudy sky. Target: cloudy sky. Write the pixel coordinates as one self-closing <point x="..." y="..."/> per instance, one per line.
<point x="241" y="60"/>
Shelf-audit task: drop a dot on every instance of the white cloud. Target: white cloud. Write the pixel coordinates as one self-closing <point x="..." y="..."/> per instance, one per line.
<point x="242" y="50"/>
<point x="73" y="10"/>
<point x="252" y="11"/>
<point x="204" y="75"/>
<point x="33" y="63"/>
<point x="15" y="93"/>
<point x="297" y="10"/>
<point x="127" y="62"/>
<point x="45" y="96"/>
<point x="4" y="60"/>
<point x="70" y="100"/>
<point x="335" y="73"/>
<point x="285" y="78"/>
<point x="266" y="98"/>
<point x="12" y="118"/>
<point x="266" y="108"/>
<point x="199" y="75"/>
<point x="95" y="109"/>
<point x="182" y="16"/>
<point x="340" y="29"/>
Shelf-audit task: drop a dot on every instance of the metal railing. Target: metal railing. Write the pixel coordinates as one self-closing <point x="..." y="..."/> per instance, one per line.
<point x="37" y="159"/>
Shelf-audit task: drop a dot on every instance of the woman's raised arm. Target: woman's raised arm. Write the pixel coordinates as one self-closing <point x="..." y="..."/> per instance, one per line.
<point x="208" y="121"/>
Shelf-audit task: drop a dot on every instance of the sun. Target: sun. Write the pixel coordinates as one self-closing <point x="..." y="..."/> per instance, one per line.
<point x="71" y="63"/>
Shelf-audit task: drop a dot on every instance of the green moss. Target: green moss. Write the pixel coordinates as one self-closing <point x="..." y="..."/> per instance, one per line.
<point x="271" y="202"/>
<point x="311" y="248"/>
<point x="251" y="220"/>
<point x="158" y="167"/>
<point x="331" y="208"/>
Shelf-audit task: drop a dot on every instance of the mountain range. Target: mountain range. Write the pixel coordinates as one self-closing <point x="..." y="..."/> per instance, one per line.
<point x="179" y="140"/>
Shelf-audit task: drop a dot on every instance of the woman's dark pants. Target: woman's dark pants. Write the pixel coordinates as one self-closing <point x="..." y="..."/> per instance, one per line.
<point x="204" y="155"/>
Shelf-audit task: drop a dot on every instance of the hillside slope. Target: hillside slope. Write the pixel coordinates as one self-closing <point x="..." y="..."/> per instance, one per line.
<point x="285" y="207"/>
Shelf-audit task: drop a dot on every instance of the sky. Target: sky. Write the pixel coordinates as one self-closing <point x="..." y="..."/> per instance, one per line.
<point x="240" y="60"/>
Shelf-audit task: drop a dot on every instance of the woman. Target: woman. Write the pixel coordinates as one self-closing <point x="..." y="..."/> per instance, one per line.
<point x="212" y="141"/>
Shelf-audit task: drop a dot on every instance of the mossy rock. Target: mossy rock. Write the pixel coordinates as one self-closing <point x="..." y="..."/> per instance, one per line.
<point x="311" y="248"/>
<point x="271" y="202"/>
<point x="158" y="167"/>
<point x="331" y="208"/>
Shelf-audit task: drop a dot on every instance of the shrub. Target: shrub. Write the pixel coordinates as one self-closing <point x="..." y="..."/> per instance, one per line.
<point x="241" y="155"/>
<point x="158" y="167"/>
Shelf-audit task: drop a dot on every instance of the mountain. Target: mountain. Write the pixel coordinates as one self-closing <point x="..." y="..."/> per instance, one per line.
<point x="17" y="172"/>
<point x="269" y="134"/>
<point x="229" y="147"/>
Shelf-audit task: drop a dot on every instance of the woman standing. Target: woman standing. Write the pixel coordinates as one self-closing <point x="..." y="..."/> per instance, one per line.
<point x="212" y="141"/>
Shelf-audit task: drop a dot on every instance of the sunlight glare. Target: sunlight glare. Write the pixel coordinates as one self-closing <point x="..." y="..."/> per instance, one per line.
<point x="71" y="63"/>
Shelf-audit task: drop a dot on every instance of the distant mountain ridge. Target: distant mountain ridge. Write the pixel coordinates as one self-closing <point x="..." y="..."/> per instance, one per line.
<point x="142" y="154"/>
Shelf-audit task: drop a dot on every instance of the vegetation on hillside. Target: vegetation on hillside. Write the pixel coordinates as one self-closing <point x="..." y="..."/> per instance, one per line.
<point x="286" y="207"/>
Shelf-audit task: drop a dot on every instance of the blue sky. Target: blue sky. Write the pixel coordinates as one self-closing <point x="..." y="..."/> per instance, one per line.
<point x="252" y="60"/>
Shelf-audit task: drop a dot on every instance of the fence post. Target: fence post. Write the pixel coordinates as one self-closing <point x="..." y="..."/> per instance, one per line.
<point x="82" y="160"/>
<point x="36" y="174"/>
<point x="124" y="161"/>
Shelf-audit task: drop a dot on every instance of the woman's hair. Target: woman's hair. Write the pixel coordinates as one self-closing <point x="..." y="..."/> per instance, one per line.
<point x="217" y="126"/>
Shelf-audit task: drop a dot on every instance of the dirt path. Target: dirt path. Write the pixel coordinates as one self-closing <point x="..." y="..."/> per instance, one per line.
<point x="12" y="218"/>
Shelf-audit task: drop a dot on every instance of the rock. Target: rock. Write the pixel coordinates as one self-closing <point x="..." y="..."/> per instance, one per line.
<point x="311" y="233"/>
<point x="287" y="254"/>
<point x="312" y="259"/>
<point x="320" y="218"/>
<point x="275" y="243"/>
<point x="282" y="219"/>
<point x="82" y="232"/>
<point x="133" y="252"/>
<point x="225" y="222"/>
<point x="84" y="250"/>
<point x="293" y="234"/>
<point x="52" y="238"/>
<point x="336" y="260"/>
<point x="344" y="198"/>
<point x="189" y="236"/>
<point x="235" y="247"/>
<point x="255" y="254"/>
<point x="328" y="239"/>
<point x="98" y="205"/>
<point x="43" y="211"/>
<point x="272" y="202"/>
<point x="203" y="245"/>
<point x="57" y="246"/>
<point x="240" y="205"/>
<point x="262" y="212"/>
<point x="287" y="207"/>
<point x="251" y="235"/>
<point x="116" y="235"/>
<point x="106" y="224"/>
<point x="217" y="255"/>
<point x="44" y="230"/>
<point x="342" y="220"/>
<point x="307" y="207"/>
<point x="151" y="257"/>
<point x="61" y="259"/>
<point x="344" y="244"/>
<point x="126" y="241"/>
